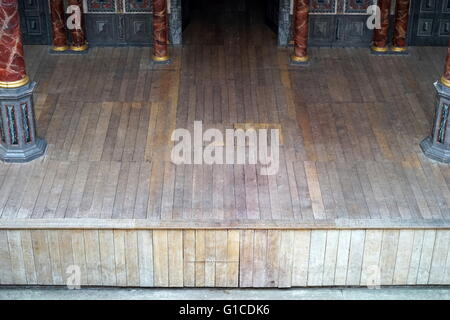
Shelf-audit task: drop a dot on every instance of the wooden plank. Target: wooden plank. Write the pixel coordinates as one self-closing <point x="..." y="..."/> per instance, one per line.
<point x="93" y="263"/>
<point x="259" y="258"/>
<point x="415" y="257"/>
<point x="329" y="266"/>
<point x="439" y="259"/>
<point x="370" y="275"/>
<point x="426" y="256"/>
<point x="145" y="252"/>
<point x="41" y="257"/>
<point x="233" y="258"/>
<point x="16" y="255"/>
<point x="132" y="258"/>
<point x="160" y="258"/>
<point x="120" y="258"/>
<point x="6" y="273"/>
<point x="210" y="258"/>
<point x="302" y="243"/>
<point x="175" y="247"/>
<point x="246" y="258"/>
<point x="355" y="257"/>
<point x="221" y="258"/>
<point x="317" y="257"/>
<point x="404" y="254"/>
<point x="200" y="258"/>
<point x="107" y="258"/>
<point x="286" y="259"/>
<point x="189" y="258"/>
<point x="388" y="256"/>
<point x="28" y="257"/>
<point x="79" y="254"/>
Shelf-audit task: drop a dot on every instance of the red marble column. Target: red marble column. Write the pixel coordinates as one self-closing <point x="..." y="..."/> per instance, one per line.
<point x="12" y="63"/>
<point x="58" y="25"/>
<point x="401" y="26"/>
<point x="160" y="32"/>
<point x="445" y="79"/>
<point x="79" y="42"/>
<point x="380" y="36"/>
<point x="301" y="23"/>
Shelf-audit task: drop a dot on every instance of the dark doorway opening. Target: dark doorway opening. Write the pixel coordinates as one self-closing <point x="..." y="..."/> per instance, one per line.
<point x="227" y="21"/>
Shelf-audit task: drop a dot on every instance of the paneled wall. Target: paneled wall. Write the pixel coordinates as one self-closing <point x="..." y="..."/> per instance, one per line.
<point x="108" y="22"/>
<point x="226" y="258"/>
<point x="127" y="22"/>
<point x="337" y="23"/>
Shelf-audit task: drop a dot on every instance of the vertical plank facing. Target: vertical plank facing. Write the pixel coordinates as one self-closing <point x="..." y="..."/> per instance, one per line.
<point x="426" y="255"/>
<point x="302" y="240"/>
<point x="175" y="247"/>
<point x="405" y="248"/>
<point x="132" y="260"/>
<point x="286" y="259"/>
<point x="246" y="259"/>
<point x="17" y="262"/>
<point x="6" y="274"/>
<point x="107" y="258"/>
<point x="340" y="277"/>
<point x="145" y="253"/>
<point x="331" y="249"/>
<point x="439" y="259"/>
<point x="259" y="258"/>
<point x="233" y="258"/>
<point x="371" y="257"/>
<point x="316" y="257"/>
<point x="28" y="257"/>
<point x="210" y="258"/>
<point x="160" y="258"/>
<point x="189" y="258"/>
<point x="355" y="257"/>
<point x="93" y="267"/>
<point x="221" y="258"/>
<point x="41" y="257"/>
<point x="119" y="258"/>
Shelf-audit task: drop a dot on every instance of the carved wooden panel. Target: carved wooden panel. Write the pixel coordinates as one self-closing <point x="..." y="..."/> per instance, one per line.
<point x="34" y="21"/>
<point x="430" y="22"/>
<point x="119" y="29"/>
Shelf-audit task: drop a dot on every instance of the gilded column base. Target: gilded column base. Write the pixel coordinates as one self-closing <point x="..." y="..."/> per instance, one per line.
<point x="299" y="61"/>
<point x="379" y="50"/>
<point x="14" y="84"/>
<point x="399" y="50"/>
<point x="79" y="49"/>
<point x="445" y="81"/>
<point x="60" y="48"/>
<point x="161" y="60"/>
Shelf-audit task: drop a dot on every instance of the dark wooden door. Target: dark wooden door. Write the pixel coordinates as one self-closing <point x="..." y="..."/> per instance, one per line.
<point x="430" y="22"/>
<point x="35" y="21"/>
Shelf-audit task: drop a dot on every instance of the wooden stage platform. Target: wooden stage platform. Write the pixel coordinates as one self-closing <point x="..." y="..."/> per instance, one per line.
<point x="353" y="195"/>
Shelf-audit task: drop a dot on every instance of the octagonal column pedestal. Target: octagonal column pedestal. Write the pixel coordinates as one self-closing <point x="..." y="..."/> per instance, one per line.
<point x="18" y="140"/>
<point x="437" y="145"/>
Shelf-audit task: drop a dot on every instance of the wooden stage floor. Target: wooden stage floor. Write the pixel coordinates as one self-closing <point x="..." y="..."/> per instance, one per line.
<point x="354" y="194"/>
<point x="351" y="126"/>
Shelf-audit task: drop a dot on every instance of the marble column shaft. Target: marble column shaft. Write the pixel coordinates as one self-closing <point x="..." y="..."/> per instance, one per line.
<point x="160" y="32"/>
<point x="301" y="23"/>
<point x="401" y="24"/>
<point x="78" y="34"/>
<point x="380" y="36"/>
<point x="12" y="64"/>
<point x="58" y="25"/>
